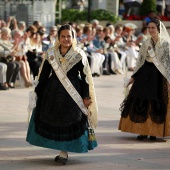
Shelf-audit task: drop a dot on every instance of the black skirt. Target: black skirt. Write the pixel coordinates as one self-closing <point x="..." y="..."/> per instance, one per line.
<point x="57" y="115"/>
<point x="148" y="96"/>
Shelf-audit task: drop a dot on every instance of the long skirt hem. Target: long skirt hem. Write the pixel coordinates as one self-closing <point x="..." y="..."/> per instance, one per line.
<point x="79" y="145"/>
<point x="147" y="128"/>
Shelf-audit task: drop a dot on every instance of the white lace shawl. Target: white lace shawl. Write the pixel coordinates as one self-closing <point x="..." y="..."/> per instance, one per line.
<point x="162" y="54"/>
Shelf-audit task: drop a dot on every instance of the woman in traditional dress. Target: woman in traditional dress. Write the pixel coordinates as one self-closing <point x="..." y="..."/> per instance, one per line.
<point x="146" y="110"/>
<point x="64" y="92"/>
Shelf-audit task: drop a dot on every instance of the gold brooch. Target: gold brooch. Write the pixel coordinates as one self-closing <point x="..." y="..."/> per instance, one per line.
<point x="51" y="57"/>
<point x="149" y="48"/>
<point x="63" y="60"/>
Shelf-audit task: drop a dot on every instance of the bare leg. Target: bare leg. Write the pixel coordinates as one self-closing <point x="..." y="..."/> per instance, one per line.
<point x="24" y="74"/>
<point x="28" y="70"/>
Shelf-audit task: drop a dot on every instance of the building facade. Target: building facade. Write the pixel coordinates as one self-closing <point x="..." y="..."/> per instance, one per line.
<point x="110" y="5"/>
<point x="29" y="11"/>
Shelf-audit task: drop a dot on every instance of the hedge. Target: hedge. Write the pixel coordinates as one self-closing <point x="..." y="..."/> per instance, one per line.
<point x="74" y="15"/>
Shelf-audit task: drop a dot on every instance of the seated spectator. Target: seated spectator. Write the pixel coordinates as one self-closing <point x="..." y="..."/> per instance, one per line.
<point x="21" y="57"/>
<point x="97" y="58"/>
<point x="73" y="24"/>
<point x="3" y="70"/>
<point x="34" y="54"/>
<point x="100" y="44"/>
<point x="130" y="47"/>
<point x="119" y="45"/>
<point x="42" y="31"/>
<point x="94" y="23"/>
<point x="81" y="41"/>
<point x="7" y="53"/>
<point x="3" y="24"/>
<point x="21" y="27"/>
<point x="141" y="37"/>
<point x="50" y="39"/>
<point x="12" y="23"/>
<point x="113" y="54"/>
<point x="30" y="32"/>
<point x="37" y="24"/>
<point x="118" y="57"/>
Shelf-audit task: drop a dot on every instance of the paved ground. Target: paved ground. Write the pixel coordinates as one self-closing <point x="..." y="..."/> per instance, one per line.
<point x="116" y="151"/>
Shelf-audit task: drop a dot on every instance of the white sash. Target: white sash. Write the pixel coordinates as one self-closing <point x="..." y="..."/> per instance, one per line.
<point x="66" y="82"/>
<point x="152" y="55"/>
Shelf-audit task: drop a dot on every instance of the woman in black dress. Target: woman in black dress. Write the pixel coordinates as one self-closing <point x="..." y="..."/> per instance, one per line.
<point x="65" y="89"/>
<point x="146" y="110"/>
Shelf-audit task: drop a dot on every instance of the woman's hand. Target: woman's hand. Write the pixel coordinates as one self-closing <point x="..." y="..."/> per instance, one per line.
<point x="12" y="53"/>
<point x="87" y="102"/>
<point x="130" y="81"/>
<point x="168" y="85"/>
<point x="24" y="58"/>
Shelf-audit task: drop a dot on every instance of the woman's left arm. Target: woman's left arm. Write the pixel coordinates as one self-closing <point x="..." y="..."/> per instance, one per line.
<point x="168" y="85"/>
<point x="45" y="71"/>
<point x="84" y="85"/>
<point x="165" y="61"/>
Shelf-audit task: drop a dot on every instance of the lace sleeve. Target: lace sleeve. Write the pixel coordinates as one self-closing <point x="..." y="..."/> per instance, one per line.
<point x="165" y="58"/>
<point x="141" y="58"/>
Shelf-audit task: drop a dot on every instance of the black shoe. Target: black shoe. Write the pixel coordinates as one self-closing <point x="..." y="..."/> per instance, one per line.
<point x="98" y="75"/>
<point x="130" y="69"/>
<point x="10" y="85"/>
<point x="93" y="75"/>
<point x="153" y="138"/>
<point x="105" y="72"/>
<point x="141" y="137"/>
<point x="61" y="160"/>
<point x="2" y="87"/>
<point x="111" y="71"/>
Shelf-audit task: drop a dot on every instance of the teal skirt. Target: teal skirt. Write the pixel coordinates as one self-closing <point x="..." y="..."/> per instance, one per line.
<point x="79" y="145"/>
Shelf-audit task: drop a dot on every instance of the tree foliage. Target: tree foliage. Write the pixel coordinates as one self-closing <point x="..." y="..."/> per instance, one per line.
<point x="74" y="15"/>
<point x="147" y="6"/>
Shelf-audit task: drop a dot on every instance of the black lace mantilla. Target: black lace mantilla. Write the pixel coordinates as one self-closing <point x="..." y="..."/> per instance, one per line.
<point x="165" y="58"/>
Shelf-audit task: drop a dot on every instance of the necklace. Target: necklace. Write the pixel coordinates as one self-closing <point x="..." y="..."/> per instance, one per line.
<point x="62" y="60"/>
<point x="62" y="57"/>
<point x="153" y="43"/>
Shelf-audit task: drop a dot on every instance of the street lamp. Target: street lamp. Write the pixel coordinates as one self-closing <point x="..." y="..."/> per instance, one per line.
<point x="89" y="11"/>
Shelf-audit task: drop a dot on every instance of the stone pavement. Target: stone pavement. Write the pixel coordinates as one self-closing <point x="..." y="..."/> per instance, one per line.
<point x="116" y="150"/>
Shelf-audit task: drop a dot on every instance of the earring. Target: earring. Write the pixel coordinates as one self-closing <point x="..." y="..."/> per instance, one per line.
<point x="57" y="44"/>
<point x="74" y="43"/>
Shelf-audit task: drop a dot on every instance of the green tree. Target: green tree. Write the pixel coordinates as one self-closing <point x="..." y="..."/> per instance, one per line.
<point x="147" y="6"/>
<point x="75" y="15"/>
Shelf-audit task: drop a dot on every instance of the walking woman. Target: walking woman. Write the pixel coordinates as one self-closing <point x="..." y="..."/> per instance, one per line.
<point x="146" y="110"/>
<point x="64" y="92"/>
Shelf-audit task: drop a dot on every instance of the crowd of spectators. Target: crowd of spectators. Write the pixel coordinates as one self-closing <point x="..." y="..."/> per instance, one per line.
<point x="109" y="48"/>
<point x="21" y="50"/>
